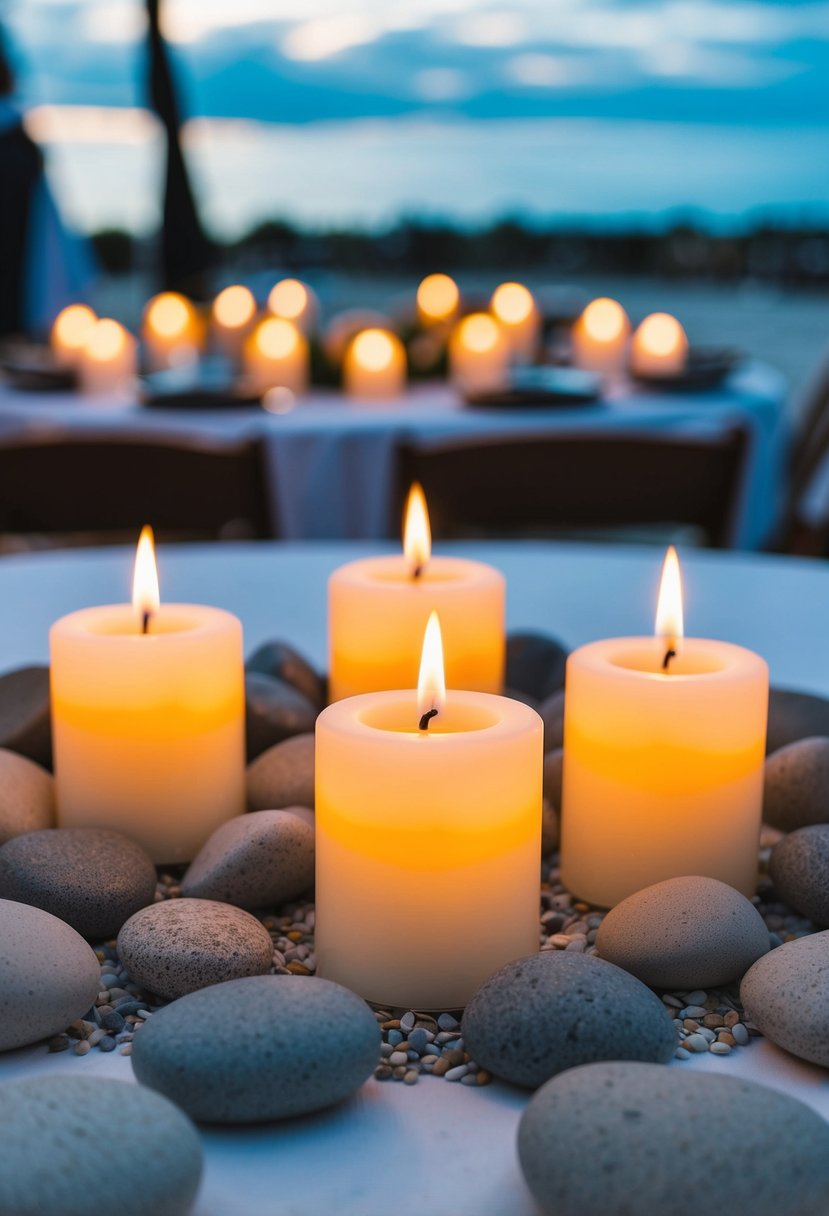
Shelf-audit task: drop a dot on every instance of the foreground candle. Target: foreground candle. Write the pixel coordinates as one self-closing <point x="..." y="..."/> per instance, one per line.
<point x="148" y="719"/>
<point x="659" y="346"/>
<point x="664" y="742"/>
<point x="601" y="336"/>
<point x="378" y="608"/>
<point x="428" y="842"/>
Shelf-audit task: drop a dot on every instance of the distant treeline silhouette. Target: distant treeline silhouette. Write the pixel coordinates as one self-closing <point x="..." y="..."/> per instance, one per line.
<point x="787" y="255"/>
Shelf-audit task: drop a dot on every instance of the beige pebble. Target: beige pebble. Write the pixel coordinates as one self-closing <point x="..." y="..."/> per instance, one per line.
<point x="696" y="1042"/>
<point x="410" y="1077"/>
<point x="440" y="1067"/>
<point x="690" y="1024"/>
<point x="731" y="1018"/>
<point x="396" y="1057"/>
<point x="728" y="1039"/>
<point x="83" y="1047"/>
<point x="713" y="1020"/>
<point x="720" y="1049"/>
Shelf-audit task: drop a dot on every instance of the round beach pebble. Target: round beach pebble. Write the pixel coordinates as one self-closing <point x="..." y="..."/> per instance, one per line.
<point x="786" y="995"/>
<point x="554" y="1010"/>
<point x="553" y="772"/>
<point x="49" y="976"/>
<point x="796" y="789"/>
<point x="620" y="1138"/>
<point x="535" y="664"/>
<point x="63" y="1154"/>
<point x="799" y="869"/>
<point x="180" y="945"/>
<point x="274" y="710"/>
<point x="92" y="878"/>
<point x="27" y="796"/>
<point x="281" y="661"/>
<point x="283" y="775"/>
<point x="552" y="714"/>
<point x="254" y="861"/>
<point x="795" y="715"/>
<point x="25" y="713"/>
<point x="684" y="933"/>
<point x="278" y="1046"/>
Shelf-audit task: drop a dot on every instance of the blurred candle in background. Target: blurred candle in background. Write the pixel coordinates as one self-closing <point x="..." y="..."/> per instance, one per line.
<point x="232" y="318"/>
<point x="70" y="332"/>
<point x="479" y="354"/>
<point x="107" y="364"/>
<point x="600" y="337"/>
<point x="171" y="331"/>
<point x="375" y="365"/>
<point x="276" y="356"/>
<point x="659" y="347"/>
<point x="515" y="307"/>
<point x="438" y="300"/>
<point x="294" y="301"/>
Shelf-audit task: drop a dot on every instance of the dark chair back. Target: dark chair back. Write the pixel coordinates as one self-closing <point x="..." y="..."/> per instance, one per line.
<point x="580" y="480"/>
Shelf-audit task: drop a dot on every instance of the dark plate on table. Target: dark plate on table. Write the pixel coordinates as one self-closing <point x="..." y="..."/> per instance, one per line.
<point x="707" y="367"/>
<point x="540" y="388"/>
<point x="210" y="385"/>
<point x="33" y="369"/>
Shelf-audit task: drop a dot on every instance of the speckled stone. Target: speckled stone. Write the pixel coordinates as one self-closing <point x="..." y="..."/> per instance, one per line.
<point x="72" y="1146"/>
<point x="786" y="994"/>
<point x="629" y="1139"/>
<point x="274" y="711"/>
<point x="49" y="976"/>
<point x="283" y="775"/>
<point x="549" y="828"/>
<point x="554" y="1010"/>
<point x="799" y="869"/>
<point x="795" y="715"/>
<point x="259" y="860"/>
<point x="684" y="933"/>
<point x="281" y="661"/>
<point x="535" y="664"/>
<point x="553" y="769"/>
<point x="27" y="796"/>
<point x="796" y="789"/>
<point x="25" y="714"/>
<point x="92" y="878"/>
<point x="552" y="713"/>
<point x="180" y="945"/>
<point x="278" y="1046"/>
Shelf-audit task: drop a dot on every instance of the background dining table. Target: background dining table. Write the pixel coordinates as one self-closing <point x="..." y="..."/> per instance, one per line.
<point x="332" y="460"/>
<point x="437" y="1148"/>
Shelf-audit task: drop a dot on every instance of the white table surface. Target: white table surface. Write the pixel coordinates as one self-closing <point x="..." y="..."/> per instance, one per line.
<point x="332" y="460"/>
<point x="434" y="1148"/>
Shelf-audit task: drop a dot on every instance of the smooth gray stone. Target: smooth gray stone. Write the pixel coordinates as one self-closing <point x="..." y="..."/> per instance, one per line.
<point x="283" y="775"/>
<point x="795" y="715"/>
<point x="73" y="1146"/>
<point x="92" y="878"/>
<point x="27" y="796"/>
<point x="540" y="1015"/>
<point x="553" y="772"/>
<point x="280" y="660"/>
<point x="260" y="860"/>
<point x="684" y="933"/>
<point x="180" y="945"/>
<point x="552" y="714"/>
<point x="274" y="711"/>
<point x="549" y="828"/>
<point x="629" y="1139"/>
<point x="49" y="976"/>
<point x="277" y="1046"/>
<point x="796" y="787"/>
<point x="786" y="995"/>
<point x="799" y="869"/>
<point x="25" y="714"/>
<point x="535" y="664"/>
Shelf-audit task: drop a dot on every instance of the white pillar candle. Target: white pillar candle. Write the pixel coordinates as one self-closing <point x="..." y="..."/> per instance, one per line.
<point x="378" y="608"/>
<point x="148" y="727"/>
<point x="276" y="356"/>
<point x="438" y="300"/>
<point x="375" y="366"/>
<point x="515" y="307"/>
<point x="107" y="364"/>
<point x="659" y="347"/>
<point x="171" y="330"/>
<point x="663" y="761"/>
<point x="294" y="301"/>
<point x="479" y="354"/>
<point x="428" y="842"/>
<point x="232" y="317"/>
<point x="601" y="337"/>
<point x="70" y="333"/>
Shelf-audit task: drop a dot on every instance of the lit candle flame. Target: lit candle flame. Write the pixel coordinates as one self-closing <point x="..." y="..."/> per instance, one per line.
<point x="669" y="625"/>
<point x="431" y="682"/>
<point x="145" y="596"/>
<point x="417" y="534"/>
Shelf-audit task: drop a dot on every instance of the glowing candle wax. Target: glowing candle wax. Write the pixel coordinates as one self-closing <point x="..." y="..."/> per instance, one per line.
<point x="107" y="363"/>
<point x="664" y="742"/>
<point x="515" y="307"/>
<point x="294" y="301"/>
<point x="232" y="318"/>
<point x="659" y="346"/>
<point x="375" y="365"/>
<point x="276" y="356"/>
<point x="438" y="300"/>
<point x="171" y="330"/>
<point x="378" y="608"/>
<point x="426" y="807"/>
<point x="479" y="354"/>
<point x="70" y="333"/>
<point x="148" y="718"/>
<point x="601" y="336"/>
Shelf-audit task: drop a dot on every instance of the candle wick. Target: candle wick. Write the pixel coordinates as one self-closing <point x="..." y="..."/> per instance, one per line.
<point x="418" y="570"/>
<point x="669" y="654"/>
<point x="145" y="622"/>
<point x="424" y="721"/>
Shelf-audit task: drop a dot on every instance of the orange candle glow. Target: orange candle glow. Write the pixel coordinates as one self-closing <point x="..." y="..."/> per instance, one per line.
<point x="171" y="330"/>
<point x="232" y="318"/>
<point x="438" y="299"/>
<point x="107" y="364"/>
<point x="375" y="366"/>
<point x="515" y="307"/>
<point x="70" y="333"/>
<point x="276" y="356"/>
<point x="659" y="346"/>
<point x="295" y="302"/>
<point x="479" y="354"/>
<point x="601" y="336"/>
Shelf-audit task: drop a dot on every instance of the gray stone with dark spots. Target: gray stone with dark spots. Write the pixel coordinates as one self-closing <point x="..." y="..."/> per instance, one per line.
<point x="92" y="878"/>
<point x="259" y="860"/>
<point x="181" y="945"/>
<point x="281" y="661"/>
<point x="799" y="869"/>
<point x="795" y="715"/>
<point x="279" y="1046"/>
<point x="283" y="775"/>
<point x="540" y="1015"/>
<point x="796" y="784"/>
<point x="274" y="710"/>
<point x="25" y="713"/>
<point x="27" y="796"/>
<point x="634" y="1139"/>
<point x="786" y="995"/>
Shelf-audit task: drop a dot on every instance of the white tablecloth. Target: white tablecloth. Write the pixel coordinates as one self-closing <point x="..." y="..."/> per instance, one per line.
<point x="435" y="1148"/>
<point x="332" y="461"/>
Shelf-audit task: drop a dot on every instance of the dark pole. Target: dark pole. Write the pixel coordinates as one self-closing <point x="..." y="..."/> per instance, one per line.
<point x="186" y="250"/>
